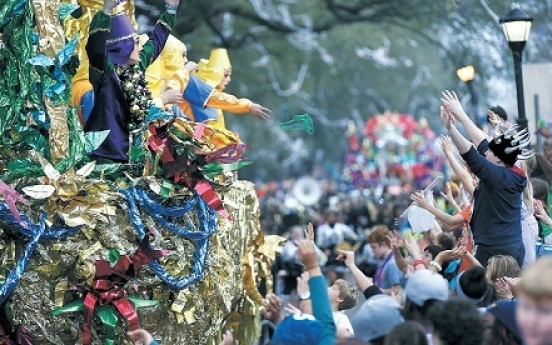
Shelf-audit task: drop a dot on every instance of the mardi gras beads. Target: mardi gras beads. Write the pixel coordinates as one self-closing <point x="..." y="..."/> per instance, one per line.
<point x="137" y="95"/>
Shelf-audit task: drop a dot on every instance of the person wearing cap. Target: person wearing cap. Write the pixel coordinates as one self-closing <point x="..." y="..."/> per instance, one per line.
<point x="496" y="217"/>
<point x="422" y="290"/>
<point x="117" y="64"/>
<point x="472" y="286"/>
<point x="376" y="318"/>
<point x="501" y="324"/>
<point x="316" y="329"/>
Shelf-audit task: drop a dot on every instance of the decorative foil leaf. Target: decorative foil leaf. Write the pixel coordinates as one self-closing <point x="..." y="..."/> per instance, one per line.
<point x="93" y="140"/>
<point x="39" y="191"/>
<point x="86" y="170"/>
<point x="51" y="172"/>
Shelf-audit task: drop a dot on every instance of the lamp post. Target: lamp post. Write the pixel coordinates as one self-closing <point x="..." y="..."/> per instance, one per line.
<point x="516" y="25"/>
<point x="467" y="74"/>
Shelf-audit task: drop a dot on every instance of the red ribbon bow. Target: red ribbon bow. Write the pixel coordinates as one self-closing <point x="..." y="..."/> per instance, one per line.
<point x="108" y="286"/>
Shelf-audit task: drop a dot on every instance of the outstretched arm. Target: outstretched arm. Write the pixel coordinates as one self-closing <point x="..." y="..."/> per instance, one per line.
<point x="463" y="175"/>
<point x="232" y="104"/>
<point x="476" y="135"/>
<point x="158" y="36"/>
<point x="348" y="257"/>
<point x="461" y="143"/>
<point x="421" y="200"/>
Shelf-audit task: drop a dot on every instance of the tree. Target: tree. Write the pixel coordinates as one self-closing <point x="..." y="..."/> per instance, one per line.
<point x="342" y="59"/>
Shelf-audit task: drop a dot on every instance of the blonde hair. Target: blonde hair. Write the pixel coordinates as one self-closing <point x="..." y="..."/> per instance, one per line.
<point x="528" y="191"/>
<point x="536" y="280"/>
<point x="348" y="293"/>
<point x="502" y="266"/>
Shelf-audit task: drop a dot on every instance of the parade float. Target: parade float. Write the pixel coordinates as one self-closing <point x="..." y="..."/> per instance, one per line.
<point x="393" y="151"/>
<point x="89" y="251"/>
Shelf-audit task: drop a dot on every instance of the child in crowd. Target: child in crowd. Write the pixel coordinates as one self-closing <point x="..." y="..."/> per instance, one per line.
<point x="343" y="296"/>
<point x="534" y="303"/>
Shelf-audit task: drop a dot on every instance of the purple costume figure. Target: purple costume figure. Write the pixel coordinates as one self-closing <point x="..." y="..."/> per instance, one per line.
<point x="122" y="99"/>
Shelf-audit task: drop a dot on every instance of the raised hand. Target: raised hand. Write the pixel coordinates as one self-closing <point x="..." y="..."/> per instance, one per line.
<point x="306" y="252"/>
<point x="309" y="234"/>
<point x="394" y="238"/>
<point x="447" y="118"/>
<point x="272" y="309"/>
<point x="420" y="199"/>
<point x="412" y="246"/>
<point x="171" y="97"/>
<point x="447" y="194"/>
<point x="450" y="100"/>
<point x="494" y="119"/>
<point x="140" y="336"/>
<point x="449" y="255"/>
<point x="260" y="111"/>
<point x="292" y="309"/>
<point x="541" y="213"/>
<point x="227" y="338"/>
<point x="173" y="3"/>
<point x="446" y="144"/>
<point x="347" y="256"/>
<point x="109" y="4"/>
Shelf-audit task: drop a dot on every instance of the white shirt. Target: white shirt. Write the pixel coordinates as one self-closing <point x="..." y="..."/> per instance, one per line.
<point x="327" y="236"/>
<point x="342" y="321"/>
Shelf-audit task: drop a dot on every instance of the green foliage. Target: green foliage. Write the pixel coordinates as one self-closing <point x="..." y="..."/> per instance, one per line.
<point x="358" y="57"/>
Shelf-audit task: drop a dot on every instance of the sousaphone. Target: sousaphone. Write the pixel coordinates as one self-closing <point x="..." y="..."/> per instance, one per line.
<point x="307" y="191"/>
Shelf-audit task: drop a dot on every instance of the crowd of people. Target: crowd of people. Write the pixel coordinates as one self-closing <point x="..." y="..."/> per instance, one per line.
<point x="472" y="277"/>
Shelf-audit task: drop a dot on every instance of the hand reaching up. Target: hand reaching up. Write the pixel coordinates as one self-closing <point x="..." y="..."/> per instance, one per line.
<point x="412" y="246"/>
<point x="394" y="238"/>
<point x="307" y="253"/>
<point x="449" y="255"/>
<point x="309" y="234"/>
<point x="450" y="101"/>
<point x="421" y="199"/>
<point x="191" y="66"/>
<point x="347" y="256"/>
<point x="446" y="144"/>
<point x="541" y="213"/>
<point x="447" y="118"/>
<point x="140" y="337"/>
<point x="493" y="118"/>
<point x="272" y="309"/>
<point x="108" y="6"/>
<point x="227" y="338"/>
<point x="173" y="3"/>
<point x="447" y="194"/>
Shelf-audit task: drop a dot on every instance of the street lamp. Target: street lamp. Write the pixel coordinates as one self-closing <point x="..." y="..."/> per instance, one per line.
<point x="466" y="74"/>
<point x="516" y="25"/>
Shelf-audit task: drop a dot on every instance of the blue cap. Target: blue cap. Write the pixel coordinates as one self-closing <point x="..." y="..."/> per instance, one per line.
<point x="298" y="329"/>
<point x="505" y="312"/>
<point x="377" y="317"/>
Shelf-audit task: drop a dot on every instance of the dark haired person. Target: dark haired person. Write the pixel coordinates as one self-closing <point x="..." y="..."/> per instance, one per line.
<point x="496" y="217"/>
